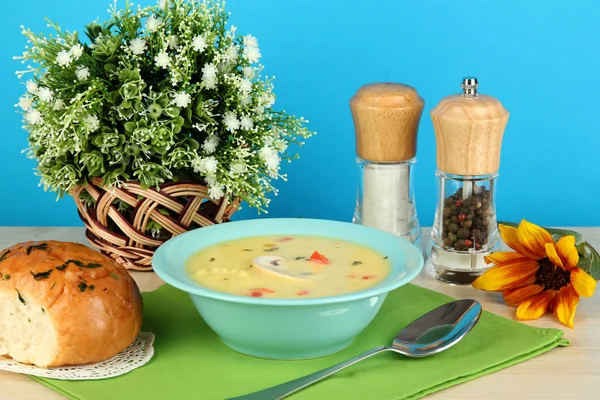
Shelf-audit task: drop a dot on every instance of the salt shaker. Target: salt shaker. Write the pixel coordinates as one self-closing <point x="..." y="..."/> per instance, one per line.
<point x="469" y="128"/>
<point x="386" y="120"/>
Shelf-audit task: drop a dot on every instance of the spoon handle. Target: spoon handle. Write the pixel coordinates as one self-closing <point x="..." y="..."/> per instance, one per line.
<point x="286" y="389"/>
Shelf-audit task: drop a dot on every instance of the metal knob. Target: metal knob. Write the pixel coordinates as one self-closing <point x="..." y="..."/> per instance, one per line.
<point x="469" y="86"/>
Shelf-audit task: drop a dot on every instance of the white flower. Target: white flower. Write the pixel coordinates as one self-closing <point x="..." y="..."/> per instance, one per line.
<point x="162" y="4"/>
<point x="270" y="158"/>
<point x="210" y="144"/>
<point x="267" y="99"/>
<point x="31" y="86"/>
<point x="238" y="168"/>
<point x="76" y="51"/>
<point x="45" y="94"/>
<point x="216" y="192"/>
<point x="245" y="86"/>
<point x="182" y="100"/>
<point x="58" y="105"/>
<point x="92" y="122"/>
<point x="252" y="54"/>
<point x="209" y="76"/>
<point x="231" y="121"/>
<point x="206" y="165"/>
<point x="152" y="23"/>
<point x="199" y="43"/>
<point x="248" y="72"/>
<point x="137" y="46"/>
<point x="172" y="42"/>
<point x="25" y="102"/>
<point x="246" y="123"/>
<point x="259" y="109"/>
<point x="246" y="100"/>
<point x="280" y="145"/>
<point x="162" y="60"/>
<point x="63" y="58"/>
<point x="231" y="54"/>
<point x="82" y="73"/>
<point x="33" y="117"/>
<point x="250" y="41"/>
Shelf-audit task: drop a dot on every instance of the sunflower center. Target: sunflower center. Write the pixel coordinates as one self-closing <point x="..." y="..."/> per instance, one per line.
<point x="551" y="276"/>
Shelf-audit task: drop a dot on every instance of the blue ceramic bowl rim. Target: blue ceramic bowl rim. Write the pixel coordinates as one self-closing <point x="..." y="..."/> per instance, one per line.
<point x="161" y="267"/>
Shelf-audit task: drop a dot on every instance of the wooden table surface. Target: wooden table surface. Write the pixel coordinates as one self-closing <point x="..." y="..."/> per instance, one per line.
<point x="571" y="372"/>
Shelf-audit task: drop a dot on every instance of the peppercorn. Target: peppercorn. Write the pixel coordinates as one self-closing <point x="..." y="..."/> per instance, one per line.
<point x="453" y="228"/>
<point x="447" y="212"/>
<point x="463" y="233"/>
<point x="466" y="223"/>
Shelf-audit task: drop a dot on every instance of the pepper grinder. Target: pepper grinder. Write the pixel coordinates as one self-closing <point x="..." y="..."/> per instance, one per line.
<point x="386" y="120"/>
<point x="468" y="128"/>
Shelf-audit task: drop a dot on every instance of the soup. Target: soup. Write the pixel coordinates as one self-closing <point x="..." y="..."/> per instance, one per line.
<point x="288" y="267"/>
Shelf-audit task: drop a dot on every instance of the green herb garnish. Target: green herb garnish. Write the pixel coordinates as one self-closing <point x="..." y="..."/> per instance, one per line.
<point x="54" y="284"/>
<point x="92" y="265"/>
<point x="247" y="250"/>
<point x="29" y="320"/>
<point x="76" y="262"/>
<point x="272" y="249"/>
<point x="92" y="287"/>
<point x="356" y="263"/>
<point x="43" y="310"/>
<point x="4" y="255"/>
<point x="300" y="258"/>
<point x="41" y="275"/>
<point x="114" y="276"/>
<point x="6" y="277"/>
<point x="41" y="246"/>
<point x="385" y="258"/>
<point x="21" y="299"/>
<point x="212" y="259"/>
<point x="82" y="286"/>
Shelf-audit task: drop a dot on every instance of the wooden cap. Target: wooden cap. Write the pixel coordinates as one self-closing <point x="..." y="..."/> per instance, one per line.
<point x="386" y="120"/>
<point x="468" y="132"/>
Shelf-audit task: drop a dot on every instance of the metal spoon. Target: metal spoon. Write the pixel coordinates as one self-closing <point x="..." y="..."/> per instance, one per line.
<point x="430" y="334"/>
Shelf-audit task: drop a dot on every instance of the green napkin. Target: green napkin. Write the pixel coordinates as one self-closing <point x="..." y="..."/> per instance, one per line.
<point x="191" y="363"/>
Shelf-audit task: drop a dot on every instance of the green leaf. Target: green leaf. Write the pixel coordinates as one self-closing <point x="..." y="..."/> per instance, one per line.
<point x="555" y="232"/>
<point x="589" y="260"/>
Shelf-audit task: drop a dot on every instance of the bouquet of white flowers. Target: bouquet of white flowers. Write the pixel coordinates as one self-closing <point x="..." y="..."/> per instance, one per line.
<point x="157" y="94"/>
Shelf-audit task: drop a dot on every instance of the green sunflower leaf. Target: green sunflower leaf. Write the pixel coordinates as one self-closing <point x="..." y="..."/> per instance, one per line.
<point x="589" y="260"/>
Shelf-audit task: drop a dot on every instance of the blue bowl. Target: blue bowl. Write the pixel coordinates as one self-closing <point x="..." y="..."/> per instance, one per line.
<point x="287" y="329"/>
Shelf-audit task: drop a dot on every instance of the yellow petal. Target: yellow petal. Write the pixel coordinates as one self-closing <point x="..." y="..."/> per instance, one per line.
<point x="509" y="275"/>
<point x="553" y="255"/>
<point x="502" y="256"/>
<point x="534" y="239"/>
<point x="514" y="297"/>
<point x="511" y="238"/>
<point x="567" y="251"/>
<point x="583" y="284"/>
<point x="565" y="305"/>
<point x="536" y="306"/>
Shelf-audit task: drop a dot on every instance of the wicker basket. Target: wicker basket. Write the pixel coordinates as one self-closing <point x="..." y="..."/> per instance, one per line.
<point x="124" y="238"/>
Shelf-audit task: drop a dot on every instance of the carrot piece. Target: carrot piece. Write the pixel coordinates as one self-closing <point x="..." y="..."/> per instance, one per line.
<point x="264" y="290"/>
<point x="256" y="294"/>
<point x="351" y="276"/>
<point x="319" y="258"/>
<point x="302" y="292"/>
<point x="367" y="277"/>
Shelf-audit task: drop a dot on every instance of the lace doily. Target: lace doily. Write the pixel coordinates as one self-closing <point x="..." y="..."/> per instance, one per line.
<point x="136" y="355"/>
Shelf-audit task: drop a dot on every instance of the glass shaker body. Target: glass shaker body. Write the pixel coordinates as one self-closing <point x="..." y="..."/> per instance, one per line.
<point x="464" y="229"/>
<point x="386" y="199"/>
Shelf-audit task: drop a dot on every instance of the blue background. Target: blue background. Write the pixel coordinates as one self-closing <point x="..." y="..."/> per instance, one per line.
<point x="539" y="58"/>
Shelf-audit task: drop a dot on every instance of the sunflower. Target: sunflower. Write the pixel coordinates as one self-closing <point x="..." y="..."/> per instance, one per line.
<point x="540" y="276"/>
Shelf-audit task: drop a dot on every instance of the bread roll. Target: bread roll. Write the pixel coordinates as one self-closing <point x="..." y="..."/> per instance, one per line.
<point x="65" y="304"/>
